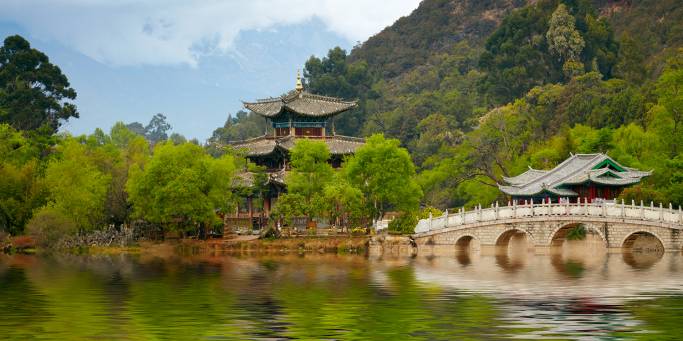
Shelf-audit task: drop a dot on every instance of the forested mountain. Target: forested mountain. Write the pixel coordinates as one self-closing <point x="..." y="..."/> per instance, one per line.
<point x="454" y="78"/>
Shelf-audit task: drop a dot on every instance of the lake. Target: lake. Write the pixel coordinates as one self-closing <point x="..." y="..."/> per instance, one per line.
<point x="341" y="297"/>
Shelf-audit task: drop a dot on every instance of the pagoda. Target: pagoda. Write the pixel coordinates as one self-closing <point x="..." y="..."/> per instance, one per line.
<point x="585" y="177"/>
<point x="293" y="116"/>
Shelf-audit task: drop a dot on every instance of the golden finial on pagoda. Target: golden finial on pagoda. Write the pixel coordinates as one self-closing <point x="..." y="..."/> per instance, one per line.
<point x="299" y="84"/>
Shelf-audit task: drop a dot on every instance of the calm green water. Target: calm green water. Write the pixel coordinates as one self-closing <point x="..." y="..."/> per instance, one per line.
<point x="340" y="297"/>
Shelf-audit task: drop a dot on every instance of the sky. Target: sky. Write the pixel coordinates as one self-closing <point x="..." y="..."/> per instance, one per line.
<point x="194" y="61"/>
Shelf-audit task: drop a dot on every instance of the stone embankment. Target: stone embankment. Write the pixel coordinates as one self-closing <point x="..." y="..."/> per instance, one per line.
<point x="387" y="244"/>
<point x="330" y="244"/>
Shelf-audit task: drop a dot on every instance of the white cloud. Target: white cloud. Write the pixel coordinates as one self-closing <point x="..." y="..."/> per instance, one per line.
<point x="168" y="32"/>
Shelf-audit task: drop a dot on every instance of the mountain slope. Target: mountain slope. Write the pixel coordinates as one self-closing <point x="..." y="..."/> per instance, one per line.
<point x="433" y="28"/>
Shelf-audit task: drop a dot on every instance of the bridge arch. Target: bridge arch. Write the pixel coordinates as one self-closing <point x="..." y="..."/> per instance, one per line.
<point x="467" y="242"/>
<point x="558" y="235"/>
<point x="503" y="238"/>
<point x="629" y="242"/>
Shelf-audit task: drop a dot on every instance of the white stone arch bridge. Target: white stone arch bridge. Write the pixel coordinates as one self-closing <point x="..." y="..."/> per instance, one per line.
<point x="546" y="224"/>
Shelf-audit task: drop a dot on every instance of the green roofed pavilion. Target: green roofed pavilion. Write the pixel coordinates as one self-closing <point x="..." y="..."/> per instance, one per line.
<point x="594" y="177"/>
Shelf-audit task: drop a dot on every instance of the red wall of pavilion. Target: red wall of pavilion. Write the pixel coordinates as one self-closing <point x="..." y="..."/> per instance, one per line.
<point x="593" y="192"/>
<point x="308" y="131"/>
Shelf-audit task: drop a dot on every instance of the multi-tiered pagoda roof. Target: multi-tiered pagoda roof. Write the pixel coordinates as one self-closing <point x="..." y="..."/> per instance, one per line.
<point x="298" y="114"/>
<point x="302" y="103"/>
<point x="267" y="144"/>
<point x="293" y="116"/>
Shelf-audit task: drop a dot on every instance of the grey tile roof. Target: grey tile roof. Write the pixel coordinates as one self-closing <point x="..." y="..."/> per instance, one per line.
<point x="246" y="178"/>
<point x="525" y="177"/>
<point x="264" y="145"/>
<point x="300" y="102"/>
<point x="243" y="179"/>
<point x="577" y="169"/>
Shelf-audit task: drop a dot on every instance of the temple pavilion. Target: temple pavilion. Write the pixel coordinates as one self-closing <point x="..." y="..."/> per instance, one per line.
<point x="293" y="116"/>
<point x="592" y="177"/>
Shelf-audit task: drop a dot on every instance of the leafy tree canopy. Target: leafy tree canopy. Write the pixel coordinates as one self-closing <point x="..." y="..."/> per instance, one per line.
<point x="385" y="174"/>
<point x="34" y="93"/>
<point x="310" y="173"/>
<point x="181" y="186"/>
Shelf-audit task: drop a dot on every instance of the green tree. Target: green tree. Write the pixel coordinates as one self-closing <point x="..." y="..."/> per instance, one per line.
<point x="125" y="149"/>
<point x="240" y="127"/>
<point x="157" y="129"/>
<point x="34" y="93"/>
<point x="181" y="186"/>
<point x="631" y="64"/>
<point x="385" y="173"/>
<point x="520" y="54"/>
<point x="77" y="187"/>
<point x="670" y="96"/>
<point x="177" y="138"/>
<point x="334" y="75"/>
<point x="343" y="203"/>
<point x="21" y="190"/>
<point x="564" y="40"/>
<point x="310" y="173"/>
<point x="436" y="131"/>
<point x="136" y="127"/>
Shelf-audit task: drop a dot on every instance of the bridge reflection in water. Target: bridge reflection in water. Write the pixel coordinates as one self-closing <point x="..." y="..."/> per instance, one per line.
<point x="569" y="292"/>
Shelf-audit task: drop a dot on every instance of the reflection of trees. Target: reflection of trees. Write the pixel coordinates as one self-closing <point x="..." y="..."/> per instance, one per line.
<point x="21" y="306"/>
<point x="76" y="302"/>
<point x="182" y="306"/>
<point x="87" y="298"/>
<point x="571" y="268"/>
<point x="348" y="308"/>
<point x="661" y="318"/>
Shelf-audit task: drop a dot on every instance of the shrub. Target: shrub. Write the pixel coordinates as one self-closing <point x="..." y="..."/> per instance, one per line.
<point x="49" y="225"/>
<point x="577" y="233"/>
<point x="644" y="193"/>
<point x="23" y="242"/>
<point x="424" y="214"/>
<point x="403" y="224"/>
<point x="358" y="231"/>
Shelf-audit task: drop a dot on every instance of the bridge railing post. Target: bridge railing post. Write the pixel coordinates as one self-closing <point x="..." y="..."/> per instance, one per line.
<point x="604" y="208"/>
<point x="532" y="207"/>
<point x="642" y="210"/>
<point x="430" y="221"/>
<point x="623" y="209"/>
<point x="514" y="209"/>
<point x="661" y="212"/>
